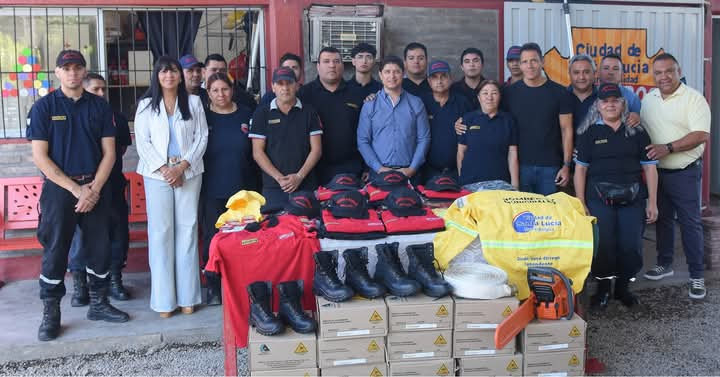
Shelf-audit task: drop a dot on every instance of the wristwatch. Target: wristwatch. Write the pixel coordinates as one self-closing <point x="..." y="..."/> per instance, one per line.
<point x="669" y="147"/>
<point x="567" y="163"/>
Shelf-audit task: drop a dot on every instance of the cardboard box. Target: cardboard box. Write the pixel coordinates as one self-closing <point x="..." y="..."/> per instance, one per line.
<point x="358" y="317"/>
<point x="339" y="352"/>
<point x="479" y="343"/>
<point x="288" y="350"/>
<point x="370" y="370"/>
<point x="443" y="367"/>
<point x="307" y="372"/>
<point x="419" y="312"/>
<point x="505" y="365"/>
<point x="471" y="315"/>
<point x="566" y="363"/>
<point x="543" y="335"/>
<point x="430" y="344"/>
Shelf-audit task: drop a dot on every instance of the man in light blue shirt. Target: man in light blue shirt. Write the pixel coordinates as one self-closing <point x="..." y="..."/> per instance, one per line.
<point x="393" y="132"/>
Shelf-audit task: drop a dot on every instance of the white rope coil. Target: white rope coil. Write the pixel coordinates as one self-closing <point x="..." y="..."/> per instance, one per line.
<point x="478" y="281"/>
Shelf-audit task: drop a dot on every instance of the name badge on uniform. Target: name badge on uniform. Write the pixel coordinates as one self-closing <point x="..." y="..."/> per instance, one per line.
<point x="273" y="121"/>
<point x="354" y="106"/>
<point x="430" y="117"/>
<point x="58" y="117"/>
<point x="601" y="141"/>
<point x="474" y="128"/>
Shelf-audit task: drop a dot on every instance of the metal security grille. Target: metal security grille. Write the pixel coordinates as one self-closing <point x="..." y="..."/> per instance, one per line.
<point x="344" y="33"/>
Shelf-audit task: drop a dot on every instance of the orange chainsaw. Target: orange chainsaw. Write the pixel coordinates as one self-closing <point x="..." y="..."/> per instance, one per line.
<point x="551" y="297"/>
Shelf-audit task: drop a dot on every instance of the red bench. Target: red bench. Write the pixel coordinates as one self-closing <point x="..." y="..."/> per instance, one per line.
<point x="19" y="210"/>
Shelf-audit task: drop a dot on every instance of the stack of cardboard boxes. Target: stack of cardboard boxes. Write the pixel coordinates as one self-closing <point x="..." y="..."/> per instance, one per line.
<point x="555" y="347"/>
<point x="286" y="354"/>
<point x="420" y="336"/>
<point x="351" y="337"/>
<point x="474" y="338"/>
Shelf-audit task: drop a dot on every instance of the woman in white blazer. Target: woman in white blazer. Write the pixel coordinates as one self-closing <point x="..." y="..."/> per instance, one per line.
<point x="171" y="135"/>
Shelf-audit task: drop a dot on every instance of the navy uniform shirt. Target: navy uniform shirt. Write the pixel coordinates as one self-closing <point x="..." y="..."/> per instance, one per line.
<point x="122" y="141"/>
<point x="287" y="139"/>
<point x="229" y="165"/>
<point x="443" y="139"/>
<point x="612" y="156"/>
<point x="460" y="87"/>
<point x="372" y="87"/>
<point x="415" y="89"/>
<point x="488" y="142"/>
<point x="339" y="112"/>
<point x="73" y="130"/>
<point x="581" y="108"/>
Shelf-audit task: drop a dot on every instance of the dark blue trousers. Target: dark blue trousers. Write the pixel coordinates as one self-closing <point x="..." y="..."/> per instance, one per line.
<point x="679" y="193"/>
<point x="538" y="179"/>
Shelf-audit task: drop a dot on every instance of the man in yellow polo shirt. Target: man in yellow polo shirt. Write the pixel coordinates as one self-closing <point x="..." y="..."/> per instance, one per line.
<point x="677" y="118"/>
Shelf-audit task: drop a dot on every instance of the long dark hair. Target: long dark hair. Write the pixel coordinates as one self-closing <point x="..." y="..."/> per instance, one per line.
<point x="154" y="92"/>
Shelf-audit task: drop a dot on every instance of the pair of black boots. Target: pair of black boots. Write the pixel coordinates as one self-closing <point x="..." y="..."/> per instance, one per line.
<point x="99" y="310"/>
<point x="290" y="311"/>
<point x="81" y="295"/>
<point x="601" y="298"/>
<point x="389" y="274"/>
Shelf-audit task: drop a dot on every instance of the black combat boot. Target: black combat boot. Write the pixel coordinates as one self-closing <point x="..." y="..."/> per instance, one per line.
<point x="261" y="316"/>
<point x="422" y="270"/>
<point x="601" y="298"/>
<point x="213" y="296"/>
<point x="80" y="295"/>
<point x="325" y="281"/>
<point x="100" y="308"/>
<point x="50" y="325"/>
<point x="622" y="293"/>
<point x="356" y="274"/>
<point x="117" y="290"/>
<point x="389" y="271"/>
<point x="291" y="311"/>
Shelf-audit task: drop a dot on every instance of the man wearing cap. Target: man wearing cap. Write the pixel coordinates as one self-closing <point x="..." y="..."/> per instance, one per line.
<point x="73" y="145"/>
<point x="611" y="72"/>
<point x="193" y="72"/>
<point x="444" y="107"/>
<point x="363" y="59"/>
<point x="512" y="61"/>
<point x="415" y="81"/>
<point x="677" y="119"/>
<point x="471" y="62"/>
<point x="393" y="133"/>
<point x="294" y="62"/>
<point x="287" y="142"/>
<point x="216" y="63"/>
<point x="338" y="106"/>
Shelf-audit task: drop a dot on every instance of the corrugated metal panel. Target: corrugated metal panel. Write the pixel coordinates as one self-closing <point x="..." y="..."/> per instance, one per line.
<point x="677" y="30"/>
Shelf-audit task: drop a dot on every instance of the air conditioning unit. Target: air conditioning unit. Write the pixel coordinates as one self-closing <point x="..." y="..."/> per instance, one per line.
<point x="344" y="33"/>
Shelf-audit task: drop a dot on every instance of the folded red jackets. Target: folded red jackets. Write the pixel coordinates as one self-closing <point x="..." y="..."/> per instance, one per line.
<point x="412" y="224"/>
<point x="346" y="228"/>
<point x="323" y="193"/>
<point x="376" y="194"/>
<point x="450" y="195"/>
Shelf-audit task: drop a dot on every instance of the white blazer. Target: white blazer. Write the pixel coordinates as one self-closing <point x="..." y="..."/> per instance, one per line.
<point x="152" y="136"/>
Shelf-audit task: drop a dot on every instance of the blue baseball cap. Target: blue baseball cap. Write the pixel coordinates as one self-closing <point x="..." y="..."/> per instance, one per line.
<point x="513" y="53"/>
<point x="189" y="61"/>
<point x="438" y="66"/>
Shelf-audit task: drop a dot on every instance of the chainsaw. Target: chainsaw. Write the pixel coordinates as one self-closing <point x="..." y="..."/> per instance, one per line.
<point x="551" y="297"/>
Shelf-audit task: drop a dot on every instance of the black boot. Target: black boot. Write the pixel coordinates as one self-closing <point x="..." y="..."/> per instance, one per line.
<point x="389" y="271"/>
<point x="356" y="274"/>
<point x="80" y="289"/>
<point x="422" y="270"/>
<point x="213" y="295"/>
<point x="622" y="293"/>
<point x="601" y="298"/>
<point x="291" y="311"/>
<point x="117" y="290"/>
<point x="261" y="316"/>
<point x="50" y="325"/>
<point x="325" y="281"/>
<point x="100" y="308"/>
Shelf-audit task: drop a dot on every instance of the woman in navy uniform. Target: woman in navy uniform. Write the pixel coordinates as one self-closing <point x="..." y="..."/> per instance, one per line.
<point x="611" y="159"/>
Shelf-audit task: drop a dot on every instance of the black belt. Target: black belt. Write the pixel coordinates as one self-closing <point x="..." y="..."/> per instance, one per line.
<point x="83" y="179"/>
<point x="397" y="167"/>
<point x="692" y="165"/>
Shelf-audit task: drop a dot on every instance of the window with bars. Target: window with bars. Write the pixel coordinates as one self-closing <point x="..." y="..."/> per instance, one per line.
<point x="120" y="44"/>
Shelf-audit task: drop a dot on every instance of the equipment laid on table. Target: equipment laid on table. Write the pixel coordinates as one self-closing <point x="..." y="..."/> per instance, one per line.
<point x="291" y="311"/>
<point x="357" y="276"/>
<point x="478" y="281"/>
<point x="348" y="217"/>
<point x="442" y="187"/>
<point x="405" y="214"/>
<point x="325" y="281"/>
<point x="338" y="184"/>
<point x="389" y="271"/>
<point x="551" y="297"/>
<point x="421" y="268"/>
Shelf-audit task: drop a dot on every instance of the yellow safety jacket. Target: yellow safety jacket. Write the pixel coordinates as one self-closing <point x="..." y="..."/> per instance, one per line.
<point x="518" y="230"/>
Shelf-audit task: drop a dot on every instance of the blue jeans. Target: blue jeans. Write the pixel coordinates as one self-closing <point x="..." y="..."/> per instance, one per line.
<point x="538" y="179"/>
<point x="679" y="193"/>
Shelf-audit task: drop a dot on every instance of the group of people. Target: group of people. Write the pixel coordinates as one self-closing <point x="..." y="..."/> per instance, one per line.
<point x="201" y="138"/>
